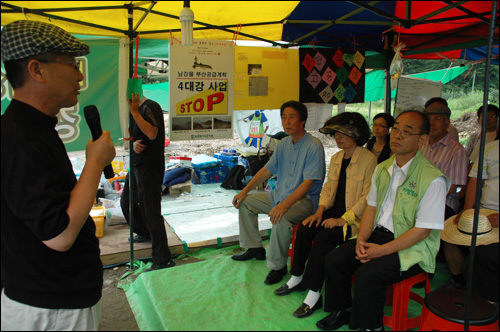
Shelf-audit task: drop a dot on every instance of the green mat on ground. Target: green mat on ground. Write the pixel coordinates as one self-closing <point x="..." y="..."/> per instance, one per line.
<point x="221" y="294"/>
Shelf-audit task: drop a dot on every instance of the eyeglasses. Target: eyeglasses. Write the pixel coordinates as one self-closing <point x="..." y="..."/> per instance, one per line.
<point x="379" y="125"/>
<point x="404" y="133"/>
<point x="76" y="63"/>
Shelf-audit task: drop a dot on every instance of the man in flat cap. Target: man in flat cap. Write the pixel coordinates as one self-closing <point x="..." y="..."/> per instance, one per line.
<point x="446" y="154"/>
<point x="51" y="268"/>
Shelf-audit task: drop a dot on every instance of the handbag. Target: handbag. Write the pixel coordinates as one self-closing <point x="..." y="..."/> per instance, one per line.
<point x="255" y="163"/>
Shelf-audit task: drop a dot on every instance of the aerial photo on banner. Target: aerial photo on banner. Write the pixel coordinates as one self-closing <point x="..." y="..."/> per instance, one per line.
<point x="201" y="84"/>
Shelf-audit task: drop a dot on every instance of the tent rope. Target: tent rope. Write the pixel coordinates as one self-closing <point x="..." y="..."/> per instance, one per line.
<point x="451" y="64"/>
<point x="172" y="38"/>
<point x="236" y="33"/>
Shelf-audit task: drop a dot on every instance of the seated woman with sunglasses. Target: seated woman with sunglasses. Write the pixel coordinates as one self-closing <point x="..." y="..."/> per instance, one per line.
<point x="342" y="203"/>
<point x="379" y="143"/>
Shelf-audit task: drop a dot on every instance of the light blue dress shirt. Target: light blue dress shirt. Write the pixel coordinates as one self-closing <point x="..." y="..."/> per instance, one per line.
<point x="295" y="163"/>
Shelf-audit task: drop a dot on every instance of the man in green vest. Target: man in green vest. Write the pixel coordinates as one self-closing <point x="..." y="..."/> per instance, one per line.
<point x="399" y="233"/>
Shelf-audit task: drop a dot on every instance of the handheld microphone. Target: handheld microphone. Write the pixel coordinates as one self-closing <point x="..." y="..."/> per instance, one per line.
<point x="94" y="121"/>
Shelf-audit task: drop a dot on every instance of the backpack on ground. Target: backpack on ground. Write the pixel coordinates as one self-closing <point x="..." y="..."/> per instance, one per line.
<point x="234" y="178"/>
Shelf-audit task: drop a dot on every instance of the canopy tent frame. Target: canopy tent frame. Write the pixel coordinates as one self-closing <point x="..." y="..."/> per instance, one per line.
<point x="477" y="203"/>
<point x="393" y="20"/>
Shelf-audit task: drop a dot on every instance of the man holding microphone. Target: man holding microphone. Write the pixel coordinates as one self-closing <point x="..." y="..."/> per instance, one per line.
<point x="51" y="269"/>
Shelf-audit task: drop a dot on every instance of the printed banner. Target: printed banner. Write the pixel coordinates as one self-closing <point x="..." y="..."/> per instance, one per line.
<point x="332" y="76"/>
<point x="99" y="87"/>
<point x="201" y="90"/>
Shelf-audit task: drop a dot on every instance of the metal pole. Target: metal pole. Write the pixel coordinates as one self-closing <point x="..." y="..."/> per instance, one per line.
<point x="468" y="289"/>
<point x="473" y="81"/>
<point x="131" y="179"/>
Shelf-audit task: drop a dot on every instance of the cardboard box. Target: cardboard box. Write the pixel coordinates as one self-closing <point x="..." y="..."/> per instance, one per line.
<point x="98" y="213"/>
<point x="180" y="188"/>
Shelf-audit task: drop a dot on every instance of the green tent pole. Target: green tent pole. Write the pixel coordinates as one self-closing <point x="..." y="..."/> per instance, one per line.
<point x="131" y="179"/>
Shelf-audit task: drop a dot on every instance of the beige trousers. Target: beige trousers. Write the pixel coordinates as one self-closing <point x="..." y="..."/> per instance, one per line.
<point x="17" y="316"/>
<point x="281" y="233"/>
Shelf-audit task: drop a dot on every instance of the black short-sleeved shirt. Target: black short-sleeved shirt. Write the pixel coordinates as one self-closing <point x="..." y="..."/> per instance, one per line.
<point x="37" y="180"/>
<point x="154" y="154"/>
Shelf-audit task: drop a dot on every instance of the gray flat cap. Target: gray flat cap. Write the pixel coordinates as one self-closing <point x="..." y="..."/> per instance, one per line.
<point x="22" y="39"/>
<point x="437" y="109"/>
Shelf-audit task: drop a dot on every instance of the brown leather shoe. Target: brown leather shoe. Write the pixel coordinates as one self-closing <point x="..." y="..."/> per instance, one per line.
<point x="305" y="310"/>
<point x="285" y="290"/>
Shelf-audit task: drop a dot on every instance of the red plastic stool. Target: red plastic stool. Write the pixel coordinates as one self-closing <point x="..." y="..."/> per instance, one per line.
<point x="294" y="235"/>
<point x="398" y="295"/>
<point x="444" y="310"/>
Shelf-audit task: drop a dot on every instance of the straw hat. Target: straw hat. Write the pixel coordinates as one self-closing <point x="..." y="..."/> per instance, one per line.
<point x="461" y="233"/>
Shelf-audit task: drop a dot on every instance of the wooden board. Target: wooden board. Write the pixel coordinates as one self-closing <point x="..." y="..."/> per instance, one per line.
<point x="203" y="218"/>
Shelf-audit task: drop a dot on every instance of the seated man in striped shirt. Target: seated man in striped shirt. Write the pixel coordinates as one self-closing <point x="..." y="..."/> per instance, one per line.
<point x="446" y="154"/>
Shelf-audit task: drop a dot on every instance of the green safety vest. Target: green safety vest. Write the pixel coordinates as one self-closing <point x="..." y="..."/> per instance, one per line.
<point x="420" y="175"/>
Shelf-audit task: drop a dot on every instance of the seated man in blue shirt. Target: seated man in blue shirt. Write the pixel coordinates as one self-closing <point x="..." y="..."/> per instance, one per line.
<point x="299" y="162"/>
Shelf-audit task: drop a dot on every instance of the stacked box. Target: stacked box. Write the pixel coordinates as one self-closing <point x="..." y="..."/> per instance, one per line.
<point x="228" y="162"/>
<point x="207" y="169"/>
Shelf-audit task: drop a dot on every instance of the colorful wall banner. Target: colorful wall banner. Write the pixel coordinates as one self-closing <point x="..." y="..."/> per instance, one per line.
<point x="201" y="90"/>
<point x="332" y="76"/>
<point x="100" y="69"/>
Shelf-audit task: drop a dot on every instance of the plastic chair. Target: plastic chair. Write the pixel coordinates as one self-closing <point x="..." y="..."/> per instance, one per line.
<point x="398" y="295"/>
<point x="444" y="310"/>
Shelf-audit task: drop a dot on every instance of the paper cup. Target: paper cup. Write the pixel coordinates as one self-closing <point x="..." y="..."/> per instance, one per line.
<point x="134" y="85"/>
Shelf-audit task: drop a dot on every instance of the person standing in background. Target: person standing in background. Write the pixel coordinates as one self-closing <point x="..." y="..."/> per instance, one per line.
<point x="147" y="129"/>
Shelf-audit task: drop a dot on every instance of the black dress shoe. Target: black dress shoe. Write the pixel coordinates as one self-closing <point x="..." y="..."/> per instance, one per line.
<point x="155" y="266"/>
<point x="335" y="320"/>
<point x="305" y="310"/>
<point x="141" y="239"/>
<point x="257" y="253"/>
<point x="285" y="290"/>
<point x="275" y="276"/>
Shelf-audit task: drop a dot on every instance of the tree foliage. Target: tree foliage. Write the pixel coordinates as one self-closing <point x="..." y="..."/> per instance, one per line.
<point x="461" y="84"/>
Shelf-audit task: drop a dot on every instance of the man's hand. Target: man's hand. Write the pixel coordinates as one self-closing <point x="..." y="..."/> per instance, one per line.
<point x="139" y="147"/>
<point x="361" y="250"/>
<point x="493" y="218"/>
<point x="277" y="213"/>
<point x="134" y="103"/>
<point x="372" y="251"/>
<point x="101" y="151"/>
<point x="333" y="222"/>
<point x="238" y="198"/>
